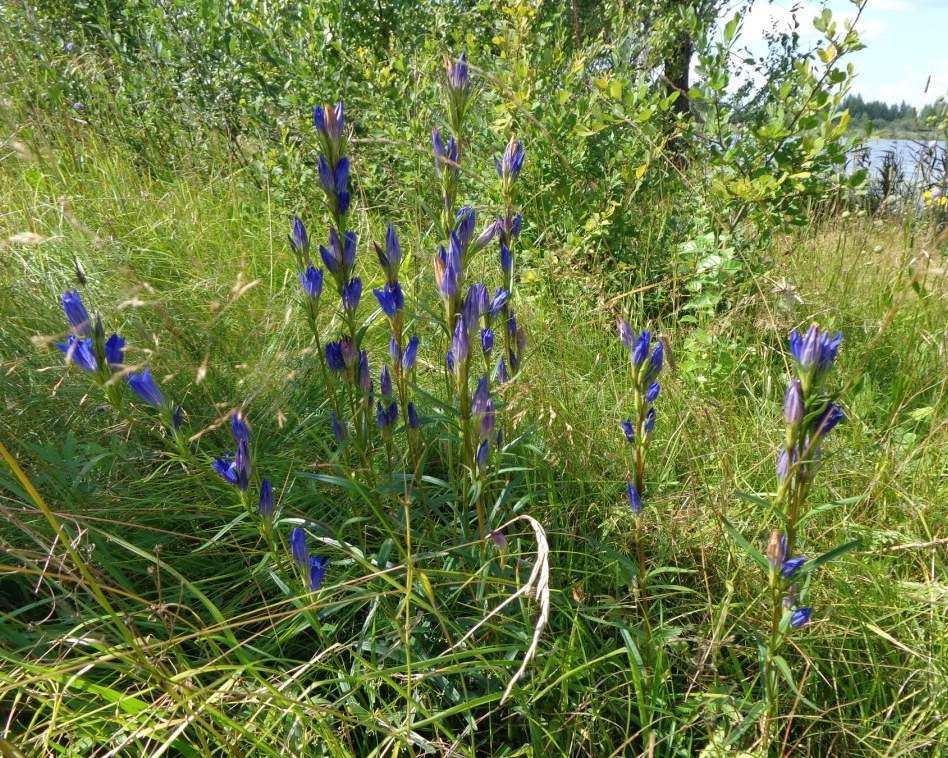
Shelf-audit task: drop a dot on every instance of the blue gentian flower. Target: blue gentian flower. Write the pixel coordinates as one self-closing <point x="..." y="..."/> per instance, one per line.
<point x="339" y="430"/>
<point x="298" y="546"/>
<point x="239" y="428"/>
<point x="115" y="352"/>
<point x="76" y="313"/>
<point x="509" y="167"/>
<point x="799" y="617"/>
<point x="793" y="404"/>
<point x="502" y="371"/>
<point x="386" y="417"/>
<point x="226" y="468"/>
<point x="457" y="74"/>
<point x="79" y="351"/>
<point x="831" y="415"/>
<point x="332" y="257"/>
<point x="497" y="303"/>
<point x="447" y="268"/>
<point x="783" y="465"/>
<point x="351" y="294"/>
<point x="330" y="123"/>
<point x="144" y="386"/>
<point x="817" y="349"/>
<point x="791" y="566"/>
<point x="312" y="282"/>
<point x="487" y="340"/>
<point x="266" y="498"/>
<point x="394" y="351"/>
<point x="334" y="358"/>
<point x="242" y="464"/>
<point x="635" y="499"/>
<point x="413" y="420"/>
<point x="506" y="262"/>
<point x="640" y="351"/>
<point x="317" y="571"/>
<point x="449" y="359"/>
<point x="445" y="155"/>
<point x="652" y="392"/>
<point x="655" y="363"/>
<point x="390" y="299"/>
<point x="349" y="352"/>
<point x="411" y="354"/>
<point x="516" y="225"/>
<point x="385" y="382"/>
<point x="391" y="257"/>
<point x="365" y="379"/>
<point x="629" y="430"/>
<point x="176" y="419"/>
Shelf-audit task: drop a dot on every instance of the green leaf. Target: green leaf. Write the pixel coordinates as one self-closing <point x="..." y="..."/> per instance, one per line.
<point x="832" y="555"/>
<point x="752" y="551"/>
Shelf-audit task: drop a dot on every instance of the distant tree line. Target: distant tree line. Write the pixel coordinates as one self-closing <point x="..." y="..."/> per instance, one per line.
<point x="880" y="113"/>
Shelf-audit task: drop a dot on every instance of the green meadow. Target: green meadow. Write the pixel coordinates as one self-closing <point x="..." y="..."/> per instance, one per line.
<point x="473" y="577"/>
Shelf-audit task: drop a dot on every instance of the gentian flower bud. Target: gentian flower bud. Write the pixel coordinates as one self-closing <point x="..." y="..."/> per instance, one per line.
<point x="481" y="397"/>
<point x="298" y="547"/>
<point x="349" y="354"/>
<point x="449" y="359"/>
<point x="299" y="239"/>
<point x="332" y="257"/>
<point x="385" y="382"/>
<point x="239" y="428"/>
<point x="411" y="354"/>
<point x="226" y="469"/>
<point x="349" y="251"/>
<point x="339" y="430"/>
<point x="266" y="498"/>
<point x="652" y="392"/>
<point x="381" y="417"/>
<point x="488" y="420"/>
<point x="327" y="178"/>
<point x="783" y="465"/>
<point x="793" y="404"/>
<point x="176" y="419"/>
<point x="144" y="386"/>
<point x="512" y="323"/>
<point x="484" y="238"/>
<point x="76" y="314"/>
<point x="516" y="226"/>
<point x="413" y="420"/>
<point x="311" y="281"/>
<point x="460" y="346"/>
<point x="640" y="351"/>
<point x="635" y="500"/>
<point x="482" y="451"/>
<point x="776" y="549"/>
<point x="391" y="257"/>
<point x="393" y="350"/>
<point x="502" y="371"/>
<point x="626" y="334"/>
<point x="444" y="156"/>
<point x="649" y="425"/>
<point x="242" y="461"/>
<point x="497" y="304"/>
<point x="390" y="299"/>
<point x="487" y="340"/>
<point x="351" y="294"/>
<point x="317" y="572"/>
<point x="629" y="431"/>
<point x="365" y="380"/>
<point x="800" y="617"/>
<point x="506" y="262"/>
<point x="509" y="167"/>
<point x="457" y="74"/>
<point x="471" y="307"/>
<point x="464" y="225"/>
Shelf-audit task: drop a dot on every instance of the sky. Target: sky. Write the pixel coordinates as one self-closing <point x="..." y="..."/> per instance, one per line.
<point x="906" y="42"/>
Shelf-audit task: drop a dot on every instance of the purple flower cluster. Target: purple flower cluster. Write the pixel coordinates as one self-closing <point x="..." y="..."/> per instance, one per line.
<point x="314" y="567"/>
